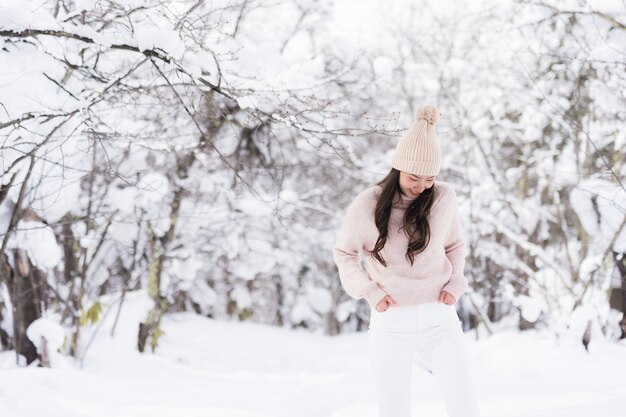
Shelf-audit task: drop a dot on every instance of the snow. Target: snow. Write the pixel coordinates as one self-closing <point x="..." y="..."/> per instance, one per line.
<point x="186" y="269"/>
<point x="5" y="217"/>
<point x="85" y="5"/>
<point x="589" y="265"/>
<point x="320" y="299"/>
<point x="123" y="199"/>
<point x="39" y="242"/>
<point x="58" y="188"/>
<point x="208" y="368"/>
<point x="610" y="200"/>
<point x="345" y="309"/>
<point x="148" y="38"/>
<point x="246" y="102"/>
<point x="530" y="308"/>
<point x="202" y="294"/>
<point x="154" y="187"/>
<point x="7" y="319"/>
<point x="251" y="206"/>
<point x="383" y="66"/>
<point x="241" y="296"/>
<point x="15" y="16"/>
<point x="48" y="329"/>
<point x="301" y="311"/>
<point x="289" y="196"/>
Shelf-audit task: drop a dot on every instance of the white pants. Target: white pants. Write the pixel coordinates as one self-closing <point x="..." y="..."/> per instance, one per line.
<point x="433" y="331"/>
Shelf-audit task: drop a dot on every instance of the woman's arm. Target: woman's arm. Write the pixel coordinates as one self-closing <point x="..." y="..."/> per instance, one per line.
<point x="349" y="245"/>
<point x="455" y="251"/>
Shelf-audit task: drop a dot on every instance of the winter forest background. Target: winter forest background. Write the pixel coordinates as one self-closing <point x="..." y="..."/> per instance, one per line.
<point x="200" y="155"/>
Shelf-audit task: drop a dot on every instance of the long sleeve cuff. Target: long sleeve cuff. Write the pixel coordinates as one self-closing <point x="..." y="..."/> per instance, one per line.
<point x="456" y="286"/>
<point x="374" y="295"/>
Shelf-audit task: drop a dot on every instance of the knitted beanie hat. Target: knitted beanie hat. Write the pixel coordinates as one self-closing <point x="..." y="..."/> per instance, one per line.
<point x="418" y="152"/>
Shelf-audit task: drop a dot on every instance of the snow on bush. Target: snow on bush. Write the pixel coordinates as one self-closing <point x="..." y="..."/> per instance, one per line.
<point x="48" y="329"/>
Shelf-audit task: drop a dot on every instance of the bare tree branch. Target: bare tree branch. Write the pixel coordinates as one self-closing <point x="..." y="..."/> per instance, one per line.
<point x="152" y="53"/>
<point x="616" y="24"/>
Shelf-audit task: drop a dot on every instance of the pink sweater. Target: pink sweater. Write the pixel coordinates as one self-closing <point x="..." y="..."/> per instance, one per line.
<point x="439" y="266"/>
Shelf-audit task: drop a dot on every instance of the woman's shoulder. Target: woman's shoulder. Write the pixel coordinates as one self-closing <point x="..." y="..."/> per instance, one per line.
<point x="367" y="199"/>
<point x="445" y="191"/>
<point x="370" y="193"/>
<point x="444" y="187"/>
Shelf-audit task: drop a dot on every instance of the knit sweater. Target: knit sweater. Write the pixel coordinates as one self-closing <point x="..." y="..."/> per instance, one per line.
<point x="439" y="266"/>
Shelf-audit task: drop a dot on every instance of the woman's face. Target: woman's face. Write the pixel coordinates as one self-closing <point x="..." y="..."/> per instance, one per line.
<point x="413" y="185"/>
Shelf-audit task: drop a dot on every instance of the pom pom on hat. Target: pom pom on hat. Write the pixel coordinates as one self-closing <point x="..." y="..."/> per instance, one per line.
<point x="417" y="151"/>
<point x="428" y="113"/>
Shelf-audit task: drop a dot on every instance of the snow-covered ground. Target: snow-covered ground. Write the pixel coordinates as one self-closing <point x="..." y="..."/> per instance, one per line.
<point x="210" y="368"/>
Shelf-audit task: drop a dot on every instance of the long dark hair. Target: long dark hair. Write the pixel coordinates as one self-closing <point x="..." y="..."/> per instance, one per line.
<point x="415" y="223"/>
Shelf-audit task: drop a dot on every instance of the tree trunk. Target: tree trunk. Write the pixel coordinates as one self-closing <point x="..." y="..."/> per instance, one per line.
<point x="44" y="360"/>
<point x="25" y="291"/>
<point x="620" y="262"/>
<point x="150" y="328"/>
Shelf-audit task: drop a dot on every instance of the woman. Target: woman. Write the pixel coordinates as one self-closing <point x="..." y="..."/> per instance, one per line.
<point x="407" y="228"/>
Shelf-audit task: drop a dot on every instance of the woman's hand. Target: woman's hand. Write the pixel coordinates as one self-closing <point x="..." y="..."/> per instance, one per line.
<point x="385" y="303"/>
<point x="446" y="298"/>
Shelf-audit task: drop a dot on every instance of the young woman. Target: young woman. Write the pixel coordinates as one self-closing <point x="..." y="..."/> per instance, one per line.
<point x="407" y="228"/>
